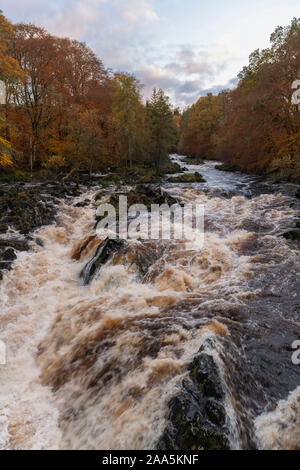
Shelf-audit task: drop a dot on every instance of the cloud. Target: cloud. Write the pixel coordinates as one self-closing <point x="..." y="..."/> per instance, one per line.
<point x="123" y="35"/>
<point x="190" y="74"/>
<point x="190" y="60"/>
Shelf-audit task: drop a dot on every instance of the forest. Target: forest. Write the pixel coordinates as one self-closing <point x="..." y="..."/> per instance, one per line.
<point x="256" y="126"/>
<point x="65" y="112"/>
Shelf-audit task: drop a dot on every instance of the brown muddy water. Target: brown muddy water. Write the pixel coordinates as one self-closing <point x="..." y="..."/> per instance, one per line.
<point x="95" y="366"/>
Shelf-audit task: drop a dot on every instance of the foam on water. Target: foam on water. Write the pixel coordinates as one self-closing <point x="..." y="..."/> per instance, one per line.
<point x="94" y="366"/>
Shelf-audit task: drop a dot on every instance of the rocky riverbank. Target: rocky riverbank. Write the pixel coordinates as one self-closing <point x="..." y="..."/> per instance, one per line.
<point x="28" y="204"/>
<point x="24" y="207"/>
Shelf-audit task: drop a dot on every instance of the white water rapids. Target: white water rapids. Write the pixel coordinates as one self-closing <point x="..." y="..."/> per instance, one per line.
<point x="94" y="367"/>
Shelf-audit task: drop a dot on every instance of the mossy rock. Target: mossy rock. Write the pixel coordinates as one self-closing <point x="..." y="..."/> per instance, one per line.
<point x="3" y="228"/>
<point x="143" y="194"/>
<point x="197" y="417"/>
<point x="98" y="196"/>
<point x="231" y="168"/>
<point x="26" y="210"/>
<point x="193" y="160"/>
<point x="171" y="168"/>
<point x="19" y="245"/>
<point x="111" y="178"/>
<point x="187" y="178"/>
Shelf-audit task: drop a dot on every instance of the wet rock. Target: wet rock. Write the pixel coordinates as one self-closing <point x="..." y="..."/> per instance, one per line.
<point x="193" y="160"/>
<point x="19" y="245"/>
<point x="197" y="417"/>
<point x="215" y="412"/>
<point x="84" y="203"/>
<point x="98" y="196"/>
<point x="187" y="178"/>
<point x="103" y="253"/>
<point x="3" y="228"/>
<point x="5" y="265"/>
<point x="8" y="254"/>
<point x="148" y="195"/>
<point x="39" y="242"/>
<point x="26" y="210"/>
<point x="142" y="194"/>
<point x="231" y="168"/>
<point x="293" y="234"/>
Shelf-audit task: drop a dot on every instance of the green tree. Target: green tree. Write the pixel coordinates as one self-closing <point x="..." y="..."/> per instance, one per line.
<point x="162" y="126"/>
<point x="128" y="119"/>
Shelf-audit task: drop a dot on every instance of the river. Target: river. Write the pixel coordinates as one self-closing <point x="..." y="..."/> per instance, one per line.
<point x="96" y="366"/>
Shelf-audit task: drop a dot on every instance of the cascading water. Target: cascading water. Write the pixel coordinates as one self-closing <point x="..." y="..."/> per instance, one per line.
<point x="95" y="366"/>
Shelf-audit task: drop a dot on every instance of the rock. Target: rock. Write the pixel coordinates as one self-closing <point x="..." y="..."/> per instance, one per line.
<point x="215" y="412"/>
<point x="9" y="255"/>
<point x="39" y="242"/>
<point x="145" y="195"/>
<point x="187" y="178"/>
<point x="293" y="234"/>
<point x="197" y="417"/>
<point x="5" y="265"/>
<point x="26" y="210"/>
<point x="98" y="196"/>
<point x="231" y="168"/>
<point x="193" y="160"/>
<point x="205" y="373"/>
<point x="84" y="203"/>
<point x="104" y="252"/>
<point x="19" y="245"/>
<point x="3" y="228"/>
<point x="173" y="168"/>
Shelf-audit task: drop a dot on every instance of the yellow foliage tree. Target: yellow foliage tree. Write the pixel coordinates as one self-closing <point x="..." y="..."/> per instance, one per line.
<point x="9" y="72"/>
<point x="9" y="67"/>
<point x="5" y="158"/>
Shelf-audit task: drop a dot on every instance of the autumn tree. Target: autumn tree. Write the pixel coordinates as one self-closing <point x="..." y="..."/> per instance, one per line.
<point x="81" y="107"/>
<point x="254" y="126"/>
<point x="9" y="72"/>
<point x="262" y="126"/>
<point x="78" y="70"/>
<point x="59" y="75"/>
<point x="83" y="145"/>
<point x="199" y="125"/>
<point x="34" y="50"/>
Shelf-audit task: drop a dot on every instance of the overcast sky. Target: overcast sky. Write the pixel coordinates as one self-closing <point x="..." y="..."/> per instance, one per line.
<point x="187" y="47"/>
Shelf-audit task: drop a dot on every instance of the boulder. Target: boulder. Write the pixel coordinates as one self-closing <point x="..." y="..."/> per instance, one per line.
<point x="187" y="178"/>
<point x="197" y="417"/>
<point x="3" y="228"/>
<point x="293" y="234"/>
<point x="104" y="252"/>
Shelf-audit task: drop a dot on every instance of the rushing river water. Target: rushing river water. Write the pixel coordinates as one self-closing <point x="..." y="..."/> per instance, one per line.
<point x="95" y="366"/>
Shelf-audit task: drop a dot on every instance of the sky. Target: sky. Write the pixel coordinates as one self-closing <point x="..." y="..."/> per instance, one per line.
<point x="186" y="47"/>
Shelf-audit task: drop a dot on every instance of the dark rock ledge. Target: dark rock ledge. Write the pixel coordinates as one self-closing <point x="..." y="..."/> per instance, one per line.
<point x="23" y="208"/>
<point x="196" y="417"/>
